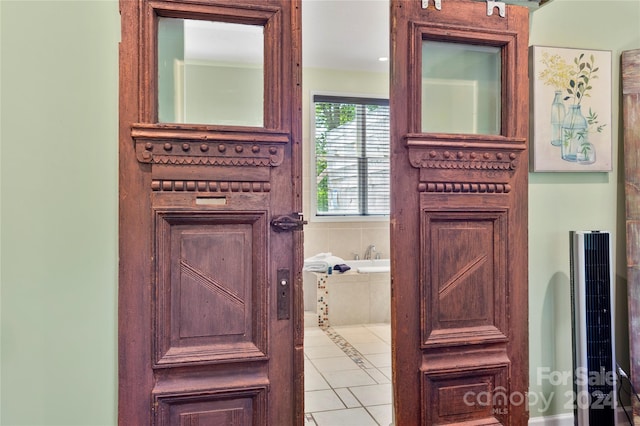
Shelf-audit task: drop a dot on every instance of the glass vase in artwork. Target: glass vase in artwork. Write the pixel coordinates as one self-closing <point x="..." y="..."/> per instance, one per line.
<point x="574" y="133"/>
<point x="557" y="116"/>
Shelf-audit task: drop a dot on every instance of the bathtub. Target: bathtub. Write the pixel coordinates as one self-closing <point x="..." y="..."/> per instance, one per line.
<point x="370" y="266"/>
<point x="358" y="296"/>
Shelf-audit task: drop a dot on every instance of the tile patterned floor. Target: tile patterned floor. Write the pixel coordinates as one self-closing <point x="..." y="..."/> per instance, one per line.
<point x="348" y="375"/>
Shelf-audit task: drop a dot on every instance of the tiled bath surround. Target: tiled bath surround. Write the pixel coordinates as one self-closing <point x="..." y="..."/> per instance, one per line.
<point x="348" y="298"/>
<point x="345" y="239"/>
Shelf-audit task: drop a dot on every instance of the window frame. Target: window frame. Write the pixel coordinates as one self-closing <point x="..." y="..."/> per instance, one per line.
<point x="314" y="216"/>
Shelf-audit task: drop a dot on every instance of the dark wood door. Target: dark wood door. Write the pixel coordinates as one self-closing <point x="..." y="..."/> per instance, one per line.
<point x="210" y="319"/>
<point x="459" y="223"/>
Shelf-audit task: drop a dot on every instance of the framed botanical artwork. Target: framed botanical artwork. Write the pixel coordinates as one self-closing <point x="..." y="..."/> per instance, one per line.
<point x="571" y="128"/>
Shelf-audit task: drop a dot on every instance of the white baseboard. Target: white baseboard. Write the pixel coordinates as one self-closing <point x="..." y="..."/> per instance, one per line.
<point x="557" y="420"/>
<point x="567" y="420"/>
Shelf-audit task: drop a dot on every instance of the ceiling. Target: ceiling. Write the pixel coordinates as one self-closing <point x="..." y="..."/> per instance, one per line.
<point x="345" y="34"/>
<point x="337" y="34"/>
<point x="353" y="34"/>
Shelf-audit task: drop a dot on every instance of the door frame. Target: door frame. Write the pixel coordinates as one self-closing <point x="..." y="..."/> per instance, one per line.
<point x="630" y="64"/>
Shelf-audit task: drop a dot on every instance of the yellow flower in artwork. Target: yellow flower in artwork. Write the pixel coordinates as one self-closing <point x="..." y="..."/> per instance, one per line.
<point x="557" y="72"/>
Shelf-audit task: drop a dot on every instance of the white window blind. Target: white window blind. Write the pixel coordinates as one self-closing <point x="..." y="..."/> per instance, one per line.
<point x="352" y="156"/>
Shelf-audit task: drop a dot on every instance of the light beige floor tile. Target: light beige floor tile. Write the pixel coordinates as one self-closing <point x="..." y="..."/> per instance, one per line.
<point x="340" y="363"/>
<point x="343" y="379"/>
<point x="313" y="380"/>
<point x="346" y="417"/>
<point x="377" y="375"/>
<point x="314" y="331"/>
<point x="347" y="398"/>
<point x="334" y="381"/>
<point x="308" y="421"/>
<point x="378" y="347"/>
<point x="383" y="414"/>
<point x="372" y="395"/>
<point x="317" y="340"/>
<point x="322" y="400"/>
<point x="325" y="351"/>
<point x="379" y="359"/>
<point x="383" y="331"/>
<point x="356" y="334"/>
<point x="387" y="372"/>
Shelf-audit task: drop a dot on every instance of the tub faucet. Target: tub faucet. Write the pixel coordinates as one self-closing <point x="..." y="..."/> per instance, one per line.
<point x="369" y="251"/>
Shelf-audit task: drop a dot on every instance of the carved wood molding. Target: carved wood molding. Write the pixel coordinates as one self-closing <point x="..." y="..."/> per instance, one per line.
<point x="465" y="187"/>
<point x="465" y="163"/>
<point x="162" y="185"/>
<point x="467" y="152"/>
<point x="463" y="159"/>
<point x="201" y="146"/>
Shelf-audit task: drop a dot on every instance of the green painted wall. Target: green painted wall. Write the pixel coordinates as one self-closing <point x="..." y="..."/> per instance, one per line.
<point x="59" y="196"/>
<point x="560" y="202"/>
<point x="58" y="200"/>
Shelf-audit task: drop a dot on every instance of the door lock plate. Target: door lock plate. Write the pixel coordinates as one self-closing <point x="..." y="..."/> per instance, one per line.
<point x="284" y="294"/>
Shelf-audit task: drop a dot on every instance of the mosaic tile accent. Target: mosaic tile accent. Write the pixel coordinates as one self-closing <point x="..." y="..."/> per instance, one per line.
<point x="346" y="347"/>
<point x="323" y="301"/>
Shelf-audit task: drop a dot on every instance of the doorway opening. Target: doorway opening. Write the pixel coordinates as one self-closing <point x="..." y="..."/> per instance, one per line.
<point x="347" y="339"/>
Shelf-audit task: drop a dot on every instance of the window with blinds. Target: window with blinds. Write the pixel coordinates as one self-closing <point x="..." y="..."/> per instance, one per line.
<point x="351" y="156"/>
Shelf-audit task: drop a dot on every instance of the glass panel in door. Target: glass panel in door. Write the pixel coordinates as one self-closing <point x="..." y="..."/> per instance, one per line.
<point x="210" y="72"/>
<point x="461" y="88"/>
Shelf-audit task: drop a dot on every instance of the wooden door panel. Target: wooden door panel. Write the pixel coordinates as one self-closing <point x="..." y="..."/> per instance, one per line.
<point x="459" y="229"/>
<point x="211" y="287"/>
<point x="465" y="395"/>
<point x="464" y="276"/>
<point x="203" y="335"/>
<point x="233" y="408"/>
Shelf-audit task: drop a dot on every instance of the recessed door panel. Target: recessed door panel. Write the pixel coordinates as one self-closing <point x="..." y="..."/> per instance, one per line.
<point x="211" y="287"/>
<point x="464" y="273"/>
<point x="478" y="395"/>
<point x="463" y="277"/>
<point x="233" y="408"/>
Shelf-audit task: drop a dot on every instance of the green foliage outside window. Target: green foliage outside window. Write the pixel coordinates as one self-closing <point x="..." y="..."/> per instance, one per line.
<point x="328" y="117"/>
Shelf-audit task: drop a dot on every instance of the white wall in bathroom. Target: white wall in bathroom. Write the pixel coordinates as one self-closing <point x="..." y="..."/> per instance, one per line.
<point x="343" y="239"/>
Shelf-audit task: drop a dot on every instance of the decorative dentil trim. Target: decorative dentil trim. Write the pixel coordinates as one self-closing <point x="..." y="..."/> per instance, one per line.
<point x="463" y="158"/>
<point x="209" y="154"/>
<point x="163" y="185"/>
<point x="465" y="164"/>
<point x="465" y="187"/>
<point x="203" y="146"/>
